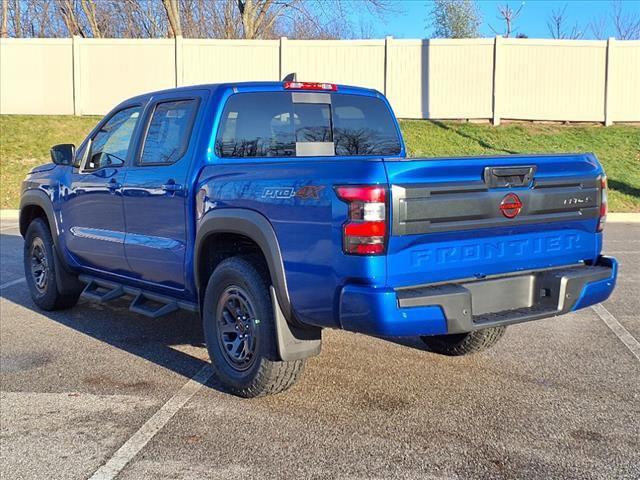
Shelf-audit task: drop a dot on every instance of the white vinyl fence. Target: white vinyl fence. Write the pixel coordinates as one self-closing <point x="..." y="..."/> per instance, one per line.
<point x="488" y="78"/>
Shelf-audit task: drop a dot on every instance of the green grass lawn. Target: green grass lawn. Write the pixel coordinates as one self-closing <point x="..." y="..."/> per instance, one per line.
<point x="617" y="147"/>
<point x="25" y="143"/>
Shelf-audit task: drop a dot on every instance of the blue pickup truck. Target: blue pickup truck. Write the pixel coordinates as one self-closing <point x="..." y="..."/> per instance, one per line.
<point x="277" y="209"/>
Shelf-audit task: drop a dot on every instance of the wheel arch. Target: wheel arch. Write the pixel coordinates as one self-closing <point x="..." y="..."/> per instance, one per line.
<point x="253" y="226"/>
<point x="34" y="204"/>
<point x="295" y="341"/>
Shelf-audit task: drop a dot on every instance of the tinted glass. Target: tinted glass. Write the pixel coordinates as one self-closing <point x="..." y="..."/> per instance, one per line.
<point x="110" y="145"/>
<point x="312" y="122"/>
<point x="257" y="125"/>
<point x="268" y="124"/>
<point x="168" y="134"/>
<point x="80" y="155"/>
<point x="363" y="126"/>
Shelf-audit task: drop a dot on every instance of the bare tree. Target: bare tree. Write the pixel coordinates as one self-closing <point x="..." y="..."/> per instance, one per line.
<point x="190" y="18"/>
<point x="173" y="14"/>
<point x="255" y="16"/>
<point x="626" y="25"/>
<point x="32" y="18"/>
<point x="598" y="28"/>
<point x="17" y="18"/>
<point x="508" y="16"/>
<point x="226" y="21"/>
<point x="557" y="26"/>
<point x="70" y="16"/>
<point x="292" y="18"/>
<point x="206" y="19"/>
<point x="4" y="31"/>
<point x="302" y="27"/>
<point x="141" y="19"/>
<point x="89" y="9"/>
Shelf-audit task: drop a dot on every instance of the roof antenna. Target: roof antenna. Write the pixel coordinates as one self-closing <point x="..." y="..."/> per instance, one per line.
<point x="290" y="77"/>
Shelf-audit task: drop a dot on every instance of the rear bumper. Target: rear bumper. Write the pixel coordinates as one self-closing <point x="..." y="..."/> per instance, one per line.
<point x="473" y="305"/>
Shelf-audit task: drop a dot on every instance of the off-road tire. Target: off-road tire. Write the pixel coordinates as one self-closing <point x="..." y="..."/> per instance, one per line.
<point x="48" y="296"/>
<point x="268" y="374"/>
<point x="464" y="343"/>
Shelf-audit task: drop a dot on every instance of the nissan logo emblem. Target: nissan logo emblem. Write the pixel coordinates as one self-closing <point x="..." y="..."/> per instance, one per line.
<point x="510" y="205"/>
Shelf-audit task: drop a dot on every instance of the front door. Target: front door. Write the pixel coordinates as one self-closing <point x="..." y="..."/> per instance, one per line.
<point x="92" y="215"/>
<point x="156" y="191"/>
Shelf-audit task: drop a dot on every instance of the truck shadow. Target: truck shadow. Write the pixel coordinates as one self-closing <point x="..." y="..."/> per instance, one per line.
<point x="624" y="188"/>
<point x="411" y="342"/>
<point x="151" y="339"/>
<point x="160" y="341"/>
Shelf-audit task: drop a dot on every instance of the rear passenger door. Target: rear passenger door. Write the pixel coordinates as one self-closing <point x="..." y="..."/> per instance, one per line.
<point x="156" y="191"/>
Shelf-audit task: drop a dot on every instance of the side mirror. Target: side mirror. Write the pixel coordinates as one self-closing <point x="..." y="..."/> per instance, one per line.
<point x="63" y="154"/>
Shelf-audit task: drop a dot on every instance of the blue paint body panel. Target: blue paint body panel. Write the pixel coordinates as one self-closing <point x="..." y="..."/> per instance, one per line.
<point x="375" y="311"/>
<point x="144" y="236"/>
<point x="599" y="291"/>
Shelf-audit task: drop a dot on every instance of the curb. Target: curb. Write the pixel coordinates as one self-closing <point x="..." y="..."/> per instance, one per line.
<point x="9" y="214"/>
<point x="623" y="217"/>
<point x="611" y="217"/>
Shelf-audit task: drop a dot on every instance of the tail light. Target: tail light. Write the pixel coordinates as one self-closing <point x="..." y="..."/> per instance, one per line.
<point x="365" y="232"/>
<point x="310" y="86"/>
<point x="603" y="203"/>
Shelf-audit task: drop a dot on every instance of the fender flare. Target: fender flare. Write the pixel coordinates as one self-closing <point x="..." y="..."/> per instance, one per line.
<point x="39" y="199"/>
<point x="294" y="342"/>
<point x="255" y="226"/>
<point x="67" y="281"/>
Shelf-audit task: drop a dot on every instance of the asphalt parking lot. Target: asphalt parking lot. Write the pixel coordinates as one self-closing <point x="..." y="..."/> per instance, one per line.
<point x="97" y="386"/>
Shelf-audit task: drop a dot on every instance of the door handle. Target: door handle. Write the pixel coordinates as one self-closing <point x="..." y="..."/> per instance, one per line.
<point x="113" y="185"/>
<point x="172" y="187"/>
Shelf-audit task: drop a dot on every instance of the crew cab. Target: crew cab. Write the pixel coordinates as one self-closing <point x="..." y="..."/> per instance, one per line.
<point x="277" y="209"/>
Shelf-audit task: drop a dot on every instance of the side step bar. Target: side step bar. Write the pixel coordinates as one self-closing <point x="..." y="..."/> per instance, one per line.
<point x="144" y="302"/>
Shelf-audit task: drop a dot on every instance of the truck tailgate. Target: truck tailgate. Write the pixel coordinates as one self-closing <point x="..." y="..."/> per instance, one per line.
<point x="460" y="218"/>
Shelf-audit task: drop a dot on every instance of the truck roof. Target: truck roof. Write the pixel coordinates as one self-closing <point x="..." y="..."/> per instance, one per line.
<point x="250" y="87"/>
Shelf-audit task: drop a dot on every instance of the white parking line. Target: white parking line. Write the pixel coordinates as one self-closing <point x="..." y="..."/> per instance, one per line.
<point x="152" y="426"/>
<point x="12" y="283"/>
<point x="622" y="333"/>
<point x="12" y="227"/>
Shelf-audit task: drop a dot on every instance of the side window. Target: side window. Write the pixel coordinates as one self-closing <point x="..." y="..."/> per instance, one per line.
<point x="168" y="133"/>
<point x="257" y="125"/>
<point x="110" y="145"/>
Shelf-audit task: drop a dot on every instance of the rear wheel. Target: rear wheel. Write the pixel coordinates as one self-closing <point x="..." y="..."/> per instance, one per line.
<point x="464" y="343"/>
<point x="40" y="269"/>
<point x="239" y="330"/>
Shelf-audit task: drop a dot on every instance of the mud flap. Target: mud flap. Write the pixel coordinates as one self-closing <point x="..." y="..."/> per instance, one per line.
<point x="68" y="283"/>
<point x="294" y="343"/>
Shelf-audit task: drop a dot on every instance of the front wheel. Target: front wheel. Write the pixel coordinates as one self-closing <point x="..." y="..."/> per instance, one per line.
<point x="239" y="330"/>
<point x="464" y="343"/>
<point x="40" y="269"/>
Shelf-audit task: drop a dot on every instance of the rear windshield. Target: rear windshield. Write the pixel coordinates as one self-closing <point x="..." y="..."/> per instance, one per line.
<point x="290" y="124"/>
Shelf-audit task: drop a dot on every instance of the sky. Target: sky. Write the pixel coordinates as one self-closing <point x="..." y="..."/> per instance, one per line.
<point x="411" y="19"/>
